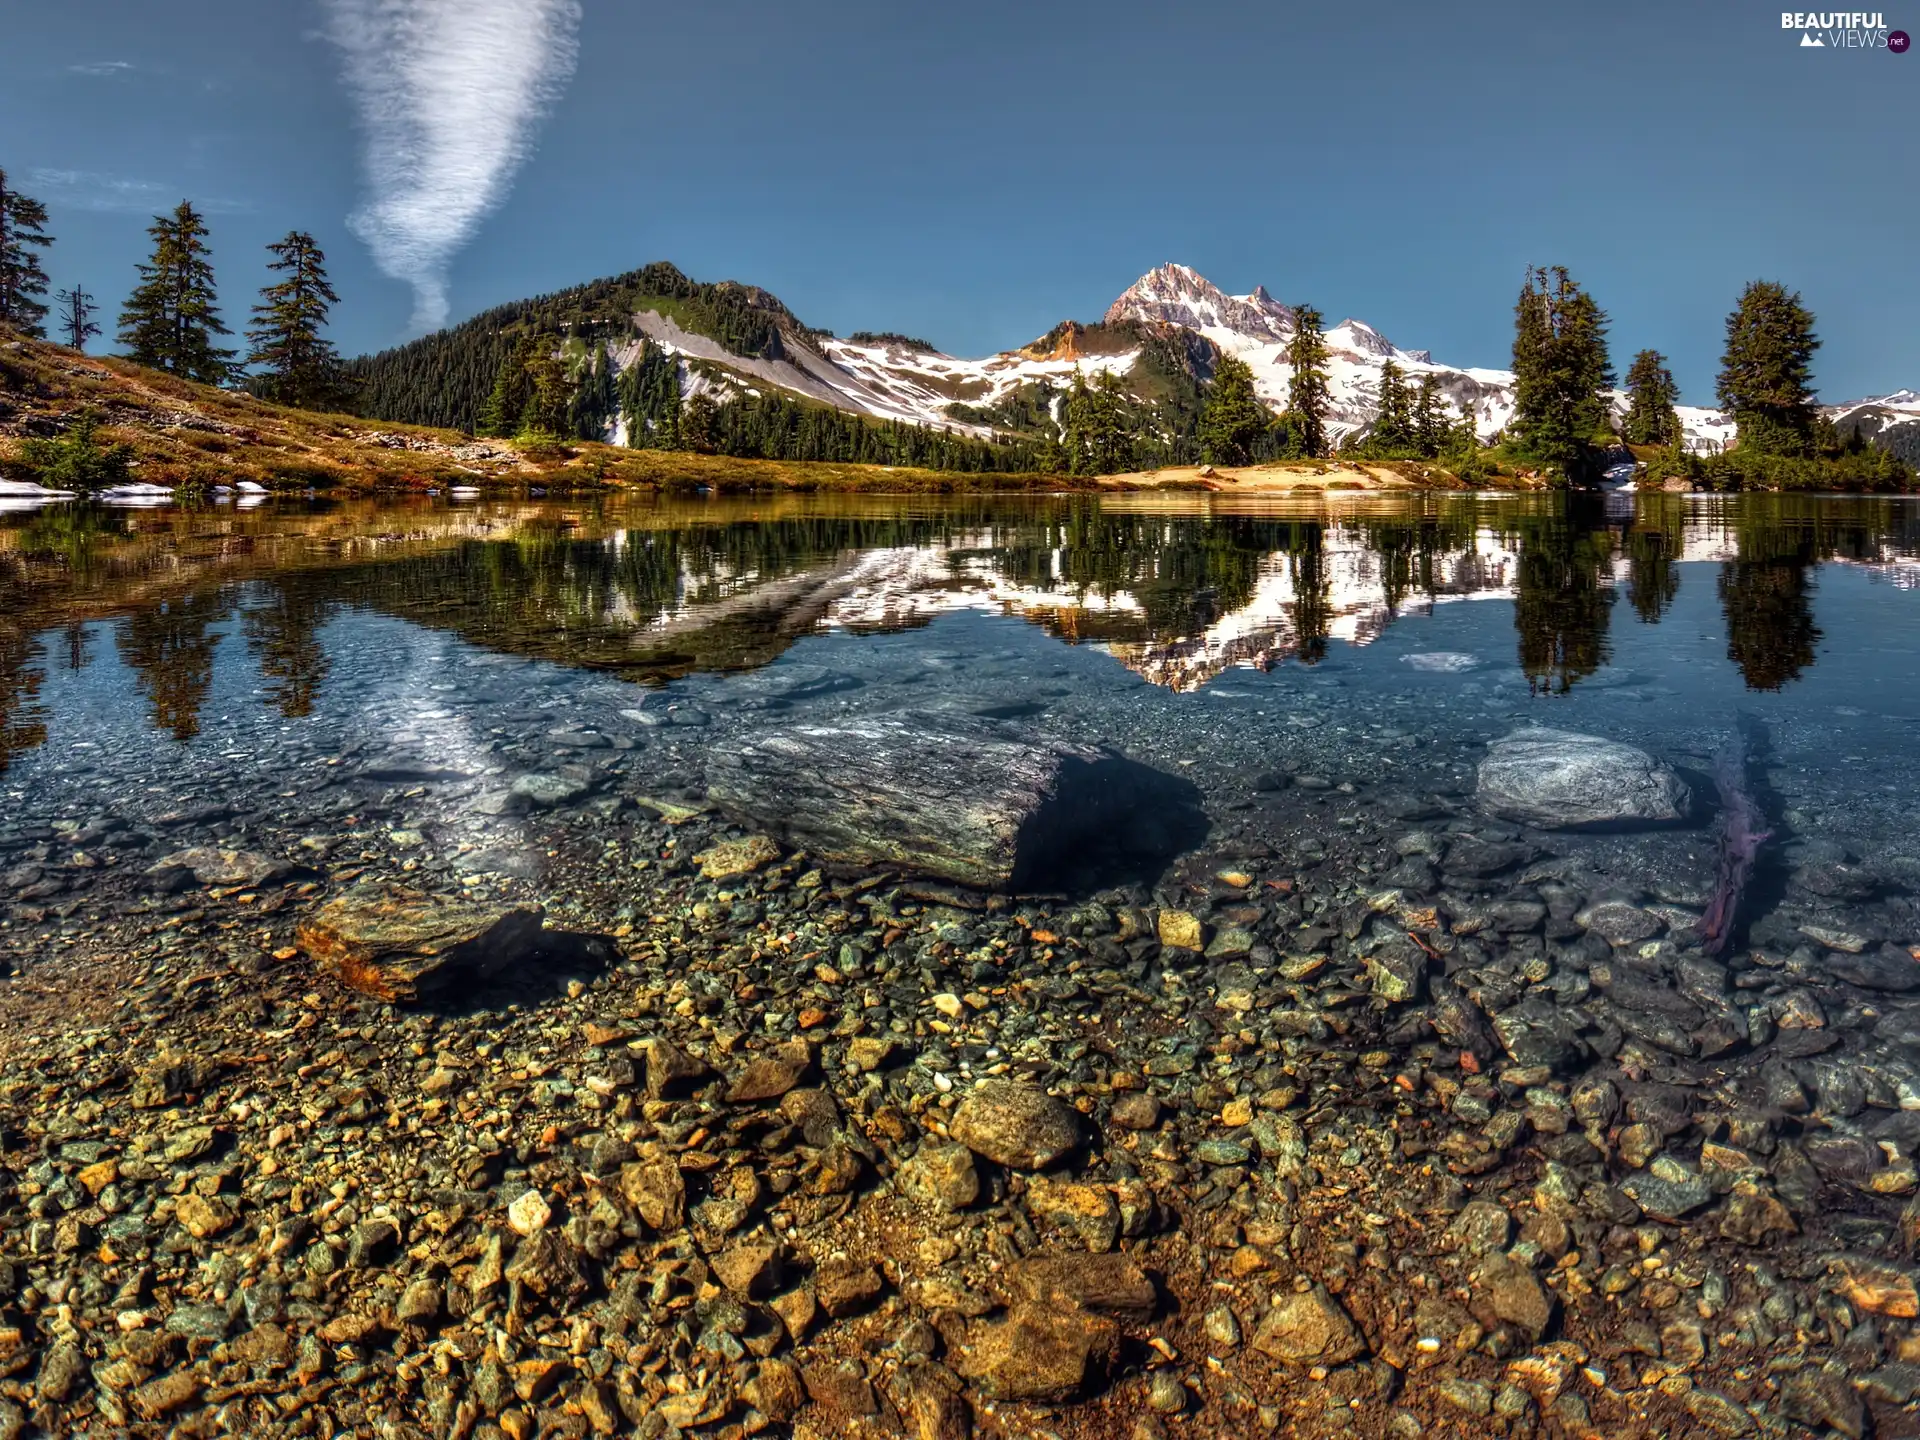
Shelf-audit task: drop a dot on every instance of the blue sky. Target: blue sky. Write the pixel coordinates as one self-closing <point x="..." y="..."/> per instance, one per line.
<point x="973" y="174"/>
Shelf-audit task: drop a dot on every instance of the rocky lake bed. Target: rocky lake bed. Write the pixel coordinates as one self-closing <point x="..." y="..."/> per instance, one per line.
<point x="507" y="1049"/>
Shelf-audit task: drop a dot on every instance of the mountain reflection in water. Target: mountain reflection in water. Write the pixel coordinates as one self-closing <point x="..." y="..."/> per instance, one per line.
<point x="1176" y="590"/>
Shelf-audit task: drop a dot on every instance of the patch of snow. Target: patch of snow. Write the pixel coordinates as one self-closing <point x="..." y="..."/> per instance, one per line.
<point x="28" y="490"/>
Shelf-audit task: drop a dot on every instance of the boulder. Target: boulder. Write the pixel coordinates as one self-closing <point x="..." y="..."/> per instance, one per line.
<point x="1039" y="1352"/>
<point x="941" y="1175"/>
<point x="1110" y="1285"/>
<point x="1560" y="780"/>
<point x="1309" y="1327"/>
<point x="213" y="865"/>
<point x="1019" y="1126"/>
<point x="954" y="796"/>
<point x="771" y="1075"/>
<point x="398" y="945"/>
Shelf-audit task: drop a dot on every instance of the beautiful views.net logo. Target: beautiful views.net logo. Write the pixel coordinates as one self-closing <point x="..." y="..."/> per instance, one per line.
<point x="1844" y="30"/>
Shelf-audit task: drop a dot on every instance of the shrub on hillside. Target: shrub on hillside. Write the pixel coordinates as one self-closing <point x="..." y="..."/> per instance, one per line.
<point x="77" y="460"/>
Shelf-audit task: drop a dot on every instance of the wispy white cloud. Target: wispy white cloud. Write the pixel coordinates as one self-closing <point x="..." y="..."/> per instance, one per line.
<point x="449" y="92"/>
<point x="123" y="195"/>
<point x="101" y="69"/>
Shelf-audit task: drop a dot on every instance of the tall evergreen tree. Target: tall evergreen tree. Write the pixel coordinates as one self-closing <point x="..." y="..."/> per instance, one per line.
<point x="1309" y="394"/>
<point x="1097" y="438"/>
<point x="77" y="325"/>
<point x="1111" y="437"/>
<point x="699" y="418"/>
<point x="547" y="413"/>
<point x="301" y="367"/>
<point x="1561" y="372"/>
<point x="1234" y="418"/>
<point x="171" y="318"/>
<point x="596" y="398"/>
<point x="23" y="232"/>
<point x="1651" y="393"/>
<point x="1766" y="374"/>
<point x="1429" y="418"/>
<point x="502" y="410"/>
<point x="1394" y="432"/>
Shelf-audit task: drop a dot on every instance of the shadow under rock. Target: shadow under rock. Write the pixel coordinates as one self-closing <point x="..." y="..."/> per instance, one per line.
<point x="540" y="973"/>
<point x="1115" y="822"/>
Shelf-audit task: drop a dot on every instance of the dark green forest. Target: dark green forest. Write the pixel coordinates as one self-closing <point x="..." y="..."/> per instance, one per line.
<point x="444" y="378"/>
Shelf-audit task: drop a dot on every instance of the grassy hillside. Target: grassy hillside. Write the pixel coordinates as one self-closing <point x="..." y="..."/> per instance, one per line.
<point x="183" y="434"/>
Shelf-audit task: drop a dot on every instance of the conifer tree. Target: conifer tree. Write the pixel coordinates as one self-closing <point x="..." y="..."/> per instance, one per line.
<point x="1429" y="418"/>
<point x="301" y="367"/>
<point x="1394" y="432"/>
<point x="1766" y="374"/>
<point x="77" y="325"/>
<point x="1234" y="419"/>
<point x="595" y="397"/>
<point x="1561" y="372"/>
<point x="1460" y="447"/>
<point x="500" y="414"/>
<point x="23" y="223"/>
<point x="1309" y="396"/>
<point x="1077" y="426"/>
<point x="1651" y="393"/>
<point x="699" y="418"/>
<point x="649" y="398"/>
<point x="549" y="403"/>
<point x="1110" y="437"/>
<point x="170" y="320"/>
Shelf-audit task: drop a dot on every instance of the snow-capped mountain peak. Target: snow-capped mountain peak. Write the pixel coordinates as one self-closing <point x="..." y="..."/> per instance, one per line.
<point x="1362" y="338"/>
<point x="1174" y="294"/>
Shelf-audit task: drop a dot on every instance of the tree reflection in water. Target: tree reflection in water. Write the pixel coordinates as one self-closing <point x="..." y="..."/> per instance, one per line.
<point x="1179" y="594"/>
<point x="283" y="636"/>
<point x="23" y="719"/>
<point x="1767" y="595"/>
<point x="1563" y="602"/>
<point x="170" y="651"/>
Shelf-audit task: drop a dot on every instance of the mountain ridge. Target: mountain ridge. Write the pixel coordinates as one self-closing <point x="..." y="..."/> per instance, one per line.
<point x="1163" y="333"/>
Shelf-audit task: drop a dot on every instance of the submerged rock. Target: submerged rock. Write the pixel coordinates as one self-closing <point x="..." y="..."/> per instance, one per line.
<point x="1015" y="1125"/>
<point x="214" y="865"/>
<point x="1561" y="780"/>
<point x="1309" y="1328"/>
<point x="1039" y="1352"/>
<point x="397" y="944"/>
<point x="953" y="796"/>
